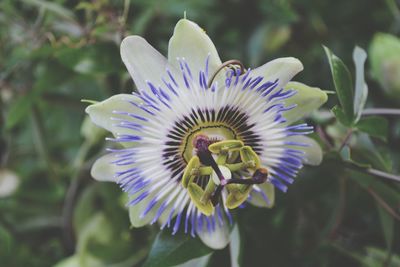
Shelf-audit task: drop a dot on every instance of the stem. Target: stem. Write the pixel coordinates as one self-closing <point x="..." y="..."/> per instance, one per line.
<point x="39" y="139"/>
<point x="81" y="155"/>
<point x="393" y="8"/>
<point x="383" y="204"/>
<point x="69" y="201"/>
<point x="381" y="111"/>
<point x="372" y="171"/>
<point x="346" y="139"/>
<point x="340" y="208"/>
<point x="125" y="11"/>
<point x="383" y="174"/>
<point x="324" y="137"/>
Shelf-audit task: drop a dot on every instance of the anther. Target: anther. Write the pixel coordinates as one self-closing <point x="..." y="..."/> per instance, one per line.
<point x="259" y="177"/>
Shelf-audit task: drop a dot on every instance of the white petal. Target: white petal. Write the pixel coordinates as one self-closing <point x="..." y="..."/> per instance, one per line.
<point x="217" y="239"/>
<point x="257" y="198"/>
<point x="283" y="69"/>
<point x="143" y="62"/>
<point x="102" y="170"/>
<point x="192" y="43"/>
<point x="235" y="246"/>
<point x="136" y="210"/>
<point x="103" y="113"/>
<point x="313" y="151"/>
<point x="307" y="100"/>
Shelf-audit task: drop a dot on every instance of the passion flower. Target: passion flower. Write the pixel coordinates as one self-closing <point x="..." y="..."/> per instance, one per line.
<point x="201" y="137"/>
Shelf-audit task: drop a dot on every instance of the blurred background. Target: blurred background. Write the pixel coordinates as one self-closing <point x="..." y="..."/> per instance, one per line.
<point x="55" y="53"/>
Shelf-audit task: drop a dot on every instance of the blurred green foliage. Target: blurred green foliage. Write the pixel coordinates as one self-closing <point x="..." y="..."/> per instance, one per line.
<point x="55" y="53"/>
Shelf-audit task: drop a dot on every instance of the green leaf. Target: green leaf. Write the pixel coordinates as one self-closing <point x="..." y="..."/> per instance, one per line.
<point x="374" y="125"/>
<point x="377" y="257"/>
<point x="379" y="157"/>
<point x="387" y="223"/>
<point x="197" y="262"/>
<point x="97" y="229"/>
<point x="85" y="209"/>
<point x="386" y="192"/>
<point x="90" y="59"/>
<point x="52" y="7"/>
<point x="345" y="153"/>
<point x="266" y="39"/>
<point x="361" y="90"/>
<point x="6" y="240"/>
<point x="20" y="108"/>
<point x="170" y="250"/>
<point x="374" y="257"/>
<point x="48" y="76"/>
<point x="72" y="261"/>
<point x="340" y="116"/>
<point x="343" y="84"/>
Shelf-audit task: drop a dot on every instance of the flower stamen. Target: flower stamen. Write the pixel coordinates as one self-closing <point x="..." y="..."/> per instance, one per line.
<point x="232" y="158"/>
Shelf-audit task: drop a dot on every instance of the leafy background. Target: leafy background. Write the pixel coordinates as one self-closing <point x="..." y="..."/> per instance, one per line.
<point x="55" y="53"/>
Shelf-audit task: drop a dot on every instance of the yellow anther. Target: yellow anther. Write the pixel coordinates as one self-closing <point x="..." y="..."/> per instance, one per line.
<point x="208" y="191"/>
<point x="191" y="171"/>
<point x="196" y="194"/>
<point x="237" y="195"/>
<point x="225" y="146"/>
<point x="237" y="166"/>
<point x="250" y="164"/>
<point x="250" y="157"/>
<point x="205" y="171"/>
<point x="222" y="158"/>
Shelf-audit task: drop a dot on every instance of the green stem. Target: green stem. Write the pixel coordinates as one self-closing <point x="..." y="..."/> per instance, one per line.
<point x="81" y="155"/>
<point x="39" y="138"/>
<point x="69" y="201"/>
<point x="372" y="171"/>
<point x="381" y="111"/>
<point x="346" y="139"/>
<point x="125" y="12"/>
<point x="383" y="204"/>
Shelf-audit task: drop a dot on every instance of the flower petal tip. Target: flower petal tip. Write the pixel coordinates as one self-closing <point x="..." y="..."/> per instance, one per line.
<point x="295" y="62"/>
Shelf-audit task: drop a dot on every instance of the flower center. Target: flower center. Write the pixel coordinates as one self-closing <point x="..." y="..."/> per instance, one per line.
<point x="225" y="123"/>
<point x="214" y="132"/>
<point x="216" y="166"/>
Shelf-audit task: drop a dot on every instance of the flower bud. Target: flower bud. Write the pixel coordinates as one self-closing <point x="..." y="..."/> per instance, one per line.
<point x="385" y="63"/>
